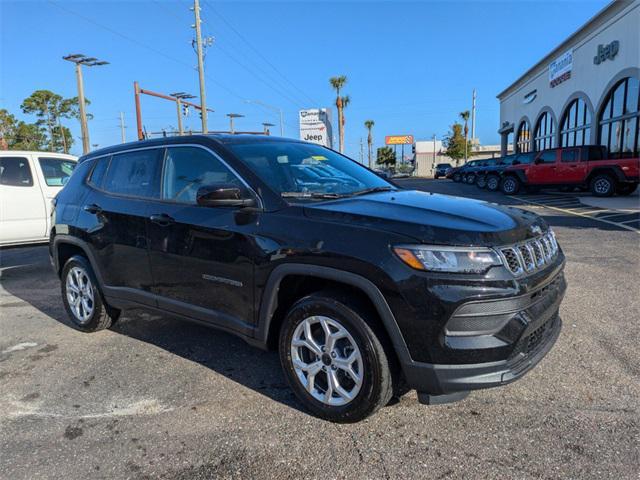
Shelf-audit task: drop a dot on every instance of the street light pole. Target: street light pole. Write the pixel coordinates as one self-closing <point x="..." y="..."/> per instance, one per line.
<point x="231" y="117"/>
<point x="80" y="59"/>
<point x="276" y="109"/>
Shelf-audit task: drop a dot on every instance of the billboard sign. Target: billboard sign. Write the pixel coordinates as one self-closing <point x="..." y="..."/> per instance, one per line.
<point x="398" y="140"/>
<point x="560" y="69"/>
<point x="315" y="126"/>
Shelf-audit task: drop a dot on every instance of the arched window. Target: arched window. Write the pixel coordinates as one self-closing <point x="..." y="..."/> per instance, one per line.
<point x="543" y="138"/>
<point x="575" y="127"/>
<point x="523" y="140"/>
<point x="619" y="118"/>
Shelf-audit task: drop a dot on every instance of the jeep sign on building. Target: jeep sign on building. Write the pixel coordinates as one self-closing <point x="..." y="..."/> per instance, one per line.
<point x="315" y="126"/>
<point x="584" y="92"/>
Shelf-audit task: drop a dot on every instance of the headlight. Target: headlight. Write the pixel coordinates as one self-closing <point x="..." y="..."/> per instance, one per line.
<point x="448" y="259"/>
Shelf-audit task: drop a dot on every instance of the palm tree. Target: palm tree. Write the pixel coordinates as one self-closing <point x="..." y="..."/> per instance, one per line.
<point x="337" y="83"/>
<point x="465" y="116"/>
<point x="369" y="125"/>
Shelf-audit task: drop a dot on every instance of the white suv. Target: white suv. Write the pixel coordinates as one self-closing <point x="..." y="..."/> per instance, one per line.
<point x="28" y="183"/>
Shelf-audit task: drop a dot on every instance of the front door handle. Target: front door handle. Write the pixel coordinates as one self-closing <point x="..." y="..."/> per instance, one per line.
<point x="93" y="208"/>
<point x="162" y="219"/>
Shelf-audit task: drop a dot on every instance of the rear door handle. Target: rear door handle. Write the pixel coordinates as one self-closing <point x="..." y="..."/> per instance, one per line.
<point x="93" y="208"/>
<point x="162" y="219"/>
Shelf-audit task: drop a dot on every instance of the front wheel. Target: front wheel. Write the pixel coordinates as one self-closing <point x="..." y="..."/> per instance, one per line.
<point x="481" y="181"/>
<point x="332" y="359"/>
<point x="82" y="297"/>
<point x="493" y="183"/>
<point x="510" y="185"/>
<point x="456" y="177"/>
<point x="471" y="179"/>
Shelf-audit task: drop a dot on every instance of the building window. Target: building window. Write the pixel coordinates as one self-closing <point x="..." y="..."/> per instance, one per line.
<point x="619" y="119"/>
<point x="543" y="137"/>
<point x="575" y="127"/>
<point x="523" y="142"/>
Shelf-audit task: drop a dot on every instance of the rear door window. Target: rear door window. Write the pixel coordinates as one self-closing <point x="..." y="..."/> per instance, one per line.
<point x="56" y="171"/>
<point x="135" y="174"/>
<point x="570" y="156"/>
<point x="15" y="172"/>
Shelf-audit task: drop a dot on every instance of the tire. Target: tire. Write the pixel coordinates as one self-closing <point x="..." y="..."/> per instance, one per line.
<point x="493" y="182"/>
<point x="436" y="176"/>
<point x="510" y="185"/>
<point x="481" y="181"/>
<point x="625" y="189"/>
<point x="456" y="177"/>
<point x="471" y="179"/>
<point x="372" y="386"/>
<point x="602" y="185"/>
<point x="89" y="313"/>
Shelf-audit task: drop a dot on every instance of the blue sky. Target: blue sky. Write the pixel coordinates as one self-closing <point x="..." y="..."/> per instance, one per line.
<point x="411" y="65"/>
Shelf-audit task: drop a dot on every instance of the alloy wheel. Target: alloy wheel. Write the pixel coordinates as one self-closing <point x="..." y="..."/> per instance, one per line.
<point x="602" y="186"/>
<point x="509" y="185"/>
<point x="327" y="360"/>
<point x="492" y="183"/>
<point x="80" y="294"/>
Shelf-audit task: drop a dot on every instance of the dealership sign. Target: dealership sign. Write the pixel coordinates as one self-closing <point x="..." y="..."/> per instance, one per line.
<point x="606" y="52"/>
<point x="315" y="126"/>
<point x="560" y="69"/>
<point x="398" y="139"/>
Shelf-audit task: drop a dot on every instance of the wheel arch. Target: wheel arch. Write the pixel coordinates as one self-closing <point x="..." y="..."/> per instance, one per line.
<point x="65" y="246"/>
<point x="271" y="316"/>
<point x="613" y="170"/>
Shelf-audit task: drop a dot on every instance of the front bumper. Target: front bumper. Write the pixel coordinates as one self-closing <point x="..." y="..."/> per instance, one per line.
<point x="541" y="328"/>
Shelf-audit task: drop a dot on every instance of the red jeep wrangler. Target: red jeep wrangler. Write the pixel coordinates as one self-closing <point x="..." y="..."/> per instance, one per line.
<point x="586" y="167"/>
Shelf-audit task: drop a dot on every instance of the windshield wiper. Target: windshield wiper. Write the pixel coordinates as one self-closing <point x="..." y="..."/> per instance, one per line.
<point x="310" y="195"/>
<point x="373" y="190"/>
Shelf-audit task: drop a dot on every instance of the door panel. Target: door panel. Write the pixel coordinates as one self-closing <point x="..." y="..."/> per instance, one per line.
<point x="22" y="207"/>
<point x="544" y="169"/>
<point x="570" y="168"/>
<point x="116" y="216"/>
<point x="201" y="257"/>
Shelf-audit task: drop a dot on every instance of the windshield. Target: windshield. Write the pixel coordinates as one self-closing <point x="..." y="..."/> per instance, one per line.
<point x="56" y="171"/>
<point x="308" y="170"/>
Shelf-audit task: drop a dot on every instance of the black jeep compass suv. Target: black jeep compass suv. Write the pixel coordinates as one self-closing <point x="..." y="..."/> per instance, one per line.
<point x="364" y="288"/>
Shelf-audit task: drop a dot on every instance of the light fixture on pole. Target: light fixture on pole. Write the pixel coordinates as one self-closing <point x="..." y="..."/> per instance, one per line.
<point x="231" y="117"/>
<point x="276" y="109"/>
<point x="266" y="126"/>
<point x="79" y="59"/>
<point x="179" y="96"/>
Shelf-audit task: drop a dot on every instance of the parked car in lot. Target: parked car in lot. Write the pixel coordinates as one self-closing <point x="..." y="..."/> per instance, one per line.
<point x="28" y="183"/>
<point x="364" y="288"/>
<point x="441" y="170"/>
<point x="489" y="175"/>
<point x="461" y="174"/>
<point x="472" y="173"/>
<point x="586" y="167"/>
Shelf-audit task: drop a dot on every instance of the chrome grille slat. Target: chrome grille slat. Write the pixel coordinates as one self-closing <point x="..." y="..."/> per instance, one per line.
<point x="530" y="256"/>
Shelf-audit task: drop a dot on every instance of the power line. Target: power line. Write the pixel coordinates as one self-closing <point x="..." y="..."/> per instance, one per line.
<point x="143" y="45"/>
<point x="257" y="52"/>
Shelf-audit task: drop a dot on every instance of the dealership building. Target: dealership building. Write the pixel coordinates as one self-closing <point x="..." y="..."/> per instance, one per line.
<point x="585" y="91"/>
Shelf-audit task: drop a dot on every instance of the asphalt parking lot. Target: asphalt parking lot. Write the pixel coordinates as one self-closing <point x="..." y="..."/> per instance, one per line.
<point x="155" y="397"/>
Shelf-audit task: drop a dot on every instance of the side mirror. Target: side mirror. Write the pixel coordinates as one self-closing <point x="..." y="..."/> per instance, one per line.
<point x="224" y="195"/>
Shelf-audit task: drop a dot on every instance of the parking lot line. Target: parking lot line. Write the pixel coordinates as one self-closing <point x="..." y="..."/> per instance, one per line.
<point x="579" y="214"/>
<point x="637" y="220"/>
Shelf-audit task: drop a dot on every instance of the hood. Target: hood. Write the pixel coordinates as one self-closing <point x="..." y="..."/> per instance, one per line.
<point x="433" y="218"/>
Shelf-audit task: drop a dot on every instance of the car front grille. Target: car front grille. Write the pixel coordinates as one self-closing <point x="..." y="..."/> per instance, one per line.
<point x="530" y="256"/>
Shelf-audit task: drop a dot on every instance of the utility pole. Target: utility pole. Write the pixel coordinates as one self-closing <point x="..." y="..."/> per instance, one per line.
<point x="79" y="59"/>
<point x="203" y="96"/>
<point x="434" y="151"/>
<point x="122" y="127"/>
<point x="473" y="116"/>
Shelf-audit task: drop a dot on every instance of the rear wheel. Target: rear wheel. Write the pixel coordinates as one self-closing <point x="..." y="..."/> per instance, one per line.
<point x="626" y="189"/>
<point x="510" y="185"/>
<point x="82" y="297"/>
<point x="481" y="181"/>
<point x="456" y="177"/>
<point x="602" y="185"/>
<point x="471" y="178"/>
<point x="493" y="182"/>
<point x="333" y="360"/>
